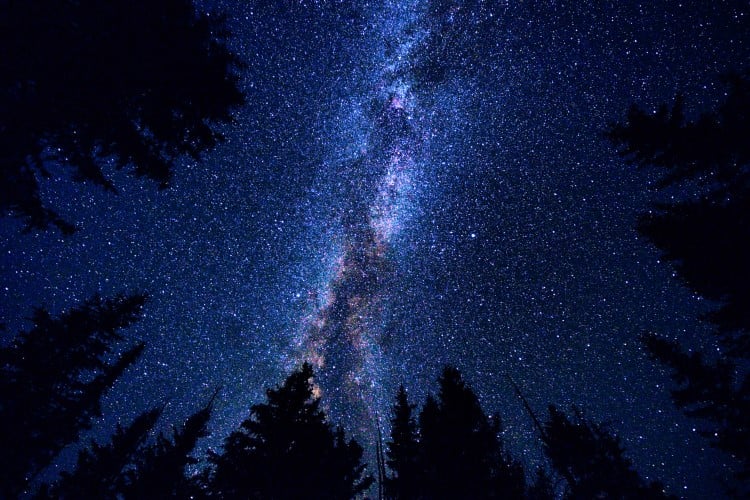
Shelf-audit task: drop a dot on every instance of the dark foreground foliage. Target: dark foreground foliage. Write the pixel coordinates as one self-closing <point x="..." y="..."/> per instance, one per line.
<point x="704" y="231"/>
<point x="287" y="449"/>
<point x="89" y="85"/>
<point x="52" y="378"/>
<point x="455" y="450"/>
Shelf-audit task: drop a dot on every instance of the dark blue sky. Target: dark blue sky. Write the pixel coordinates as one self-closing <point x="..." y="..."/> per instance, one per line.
<point x="409" y="186"/>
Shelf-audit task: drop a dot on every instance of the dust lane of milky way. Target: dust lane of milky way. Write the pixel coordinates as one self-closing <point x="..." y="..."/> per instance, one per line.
<point x="342" y="334"/>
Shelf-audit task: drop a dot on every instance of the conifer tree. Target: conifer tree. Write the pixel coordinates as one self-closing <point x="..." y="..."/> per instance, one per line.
<point x="700" y="223"/>
<point x="460" y="451"/>
<point x="159" y="471"/>
<point x="52" y="378"/>
<point x="701" y="227"/>
<point x="128" y="467"/>
<point x="88" y="86"/>
<point x="592" y="460"/>
<point x="99" y="472"/>
<point x="402" y="450"/>
<point x="716" y="392"/>
<point x="287" y="449"/>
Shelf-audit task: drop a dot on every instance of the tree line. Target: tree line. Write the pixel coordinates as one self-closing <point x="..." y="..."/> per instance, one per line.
<point x="55" y="374"/>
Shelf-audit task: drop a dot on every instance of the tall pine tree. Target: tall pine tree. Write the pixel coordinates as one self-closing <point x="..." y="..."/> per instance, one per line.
<point x="87" y="86"/>
<point x="100" y="470"/>
<point x="592" y="461"/>
<point x="402" y="450"/>
<point x="131" y="467"/>
<point x="700" y="223"/>
<point x="159" y="471"/>
<point x="459" y="452"/>
<point x="52" y="378"/>
<point x="287" y="449"/>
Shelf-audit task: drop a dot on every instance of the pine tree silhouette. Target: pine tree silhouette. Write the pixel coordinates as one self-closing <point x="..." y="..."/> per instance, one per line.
<point x="128" y="467"/>
<point x="52" y="378"/>
<point x="287" y="449"/>
<point x="402" y="450"/>
<point x="709" y="390"/>
<point x="99" y="472"/>
<point x="592" y="460"/>
<point x="704" y="230"/>
<point x="460" y="451"/>
<point x="159" y="471"/>
<point x="88" y="85"/>
<point x="542" y="488"/>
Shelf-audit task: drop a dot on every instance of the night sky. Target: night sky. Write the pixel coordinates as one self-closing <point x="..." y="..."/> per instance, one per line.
<point x="407" y="187"/>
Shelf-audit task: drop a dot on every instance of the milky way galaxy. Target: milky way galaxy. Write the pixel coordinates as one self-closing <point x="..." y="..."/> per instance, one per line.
<point x="343" y="331"/>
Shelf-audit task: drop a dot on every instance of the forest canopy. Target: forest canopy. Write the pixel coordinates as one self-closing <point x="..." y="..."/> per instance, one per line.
<point x="88" y="86"/>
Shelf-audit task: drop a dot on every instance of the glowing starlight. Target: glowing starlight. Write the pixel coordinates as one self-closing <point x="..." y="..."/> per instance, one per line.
<point x="342" y="335"/>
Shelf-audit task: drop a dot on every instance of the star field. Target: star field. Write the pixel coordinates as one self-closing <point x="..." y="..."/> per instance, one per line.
<point x="409" y="185"/>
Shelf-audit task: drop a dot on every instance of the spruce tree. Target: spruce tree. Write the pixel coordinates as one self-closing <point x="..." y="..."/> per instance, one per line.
<point x="89" y="86"/>
<point x="402" y="450"/>
<point x="159" y="471"/>
<point x="100" y="470"/>
<point x="592" y="461"/>
<point x="460" y="451"/>
<point x="701" y="226"/>
<point x="129" y="467"/>
<point x="52" y="378"/>
<point x="716" y="392"/>
<point x="700" y="222"/>
<point x="287" y="449"/>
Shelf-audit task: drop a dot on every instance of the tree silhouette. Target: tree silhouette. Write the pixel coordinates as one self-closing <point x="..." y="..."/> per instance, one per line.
<point x="460" y="454"/>
<point x="127" y="467"/>
<point x="591" y="460"/>
<point x="542" y="488"/>
<point x="90" y="85"/>
<point x="709" y="390"/>
<point x="402" y="450"/>
<point x="52" y="378"/>
<point x="287" y="449"/>
<point x="99" y="472"/>
<point x="160" y="470"/>
<point x="704" y="230"/>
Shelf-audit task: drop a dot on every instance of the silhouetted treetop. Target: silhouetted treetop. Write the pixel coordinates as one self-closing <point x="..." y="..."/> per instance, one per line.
<point x="159" y="470"/>
<point x="704" y="230"/>
<point x="52" y="378"/>
<point x="702" y="225"/>
<point x="90" y="85"/>
<point x="402" y="450"/>
<point x="713" y="391"/>
<point x="592" y="460"/>
<point x="712" y="149"/>
<point x="99" y="471"/>
<point x="459" y="450"/>
<point x="130" y="466"/>
<point x="287" y="449"/>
